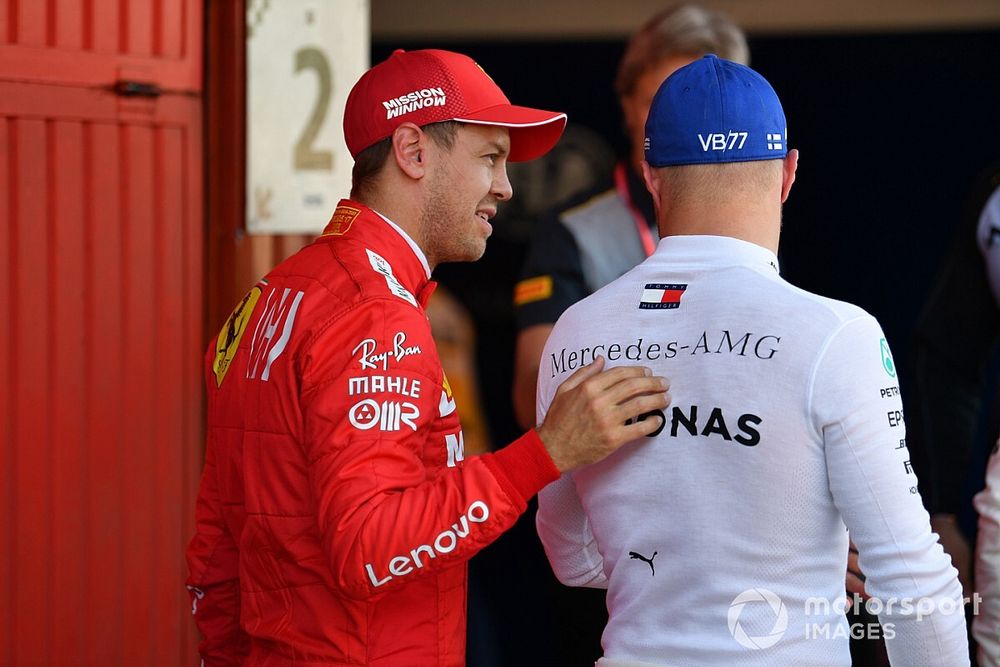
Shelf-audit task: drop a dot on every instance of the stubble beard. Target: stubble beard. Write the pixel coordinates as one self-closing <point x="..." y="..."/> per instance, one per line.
<point x="450" y="233"/>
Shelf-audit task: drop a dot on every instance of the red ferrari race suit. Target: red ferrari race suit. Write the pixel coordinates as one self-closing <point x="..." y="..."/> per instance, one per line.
<point x="337" y="511"/>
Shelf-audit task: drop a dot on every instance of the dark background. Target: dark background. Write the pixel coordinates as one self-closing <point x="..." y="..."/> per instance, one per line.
<point x="892" y="129"/>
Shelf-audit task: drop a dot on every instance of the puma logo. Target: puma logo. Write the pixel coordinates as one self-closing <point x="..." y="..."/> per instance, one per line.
<point x="649" y="561"/>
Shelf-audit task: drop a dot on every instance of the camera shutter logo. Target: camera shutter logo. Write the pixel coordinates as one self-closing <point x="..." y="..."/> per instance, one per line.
<point x="780" y="618"/>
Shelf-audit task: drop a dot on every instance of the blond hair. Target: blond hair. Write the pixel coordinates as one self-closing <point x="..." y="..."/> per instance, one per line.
<point x="686" y="29"/>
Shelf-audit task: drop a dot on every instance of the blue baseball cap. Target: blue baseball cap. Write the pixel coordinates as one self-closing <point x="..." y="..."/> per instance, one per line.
<point x="713" y="111"/>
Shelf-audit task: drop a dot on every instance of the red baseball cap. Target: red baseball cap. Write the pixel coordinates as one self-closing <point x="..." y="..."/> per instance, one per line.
<point x="430" y="86"/>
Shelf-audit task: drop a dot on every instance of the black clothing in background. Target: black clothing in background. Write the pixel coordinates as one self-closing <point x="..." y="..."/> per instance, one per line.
<point x="954" y="344"/>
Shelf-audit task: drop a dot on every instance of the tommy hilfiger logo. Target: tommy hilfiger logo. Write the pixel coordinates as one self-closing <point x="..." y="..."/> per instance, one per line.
<point x="649" y="561"/>
<point x="774" y="142"/>
<point x="659" y="296"/>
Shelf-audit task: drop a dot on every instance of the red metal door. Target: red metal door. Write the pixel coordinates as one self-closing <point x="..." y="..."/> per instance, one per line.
<point x="101" y="240"/>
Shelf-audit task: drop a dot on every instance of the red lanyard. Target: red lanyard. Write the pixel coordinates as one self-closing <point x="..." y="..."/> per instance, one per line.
<point x="641" y="226"/>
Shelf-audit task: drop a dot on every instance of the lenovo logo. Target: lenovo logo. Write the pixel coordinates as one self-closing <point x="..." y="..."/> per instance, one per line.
<point x="446" y="542"/>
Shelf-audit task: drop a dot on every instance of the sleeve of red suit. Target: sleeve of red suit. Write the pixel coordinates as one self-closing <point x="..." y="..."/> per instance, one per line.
<point x="394" y="498"/>
<point x="213" y="583"/>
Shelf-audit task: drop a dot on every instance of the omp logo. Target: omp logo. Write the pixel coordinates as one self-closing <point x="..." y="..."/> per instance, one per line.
<point x="753" y="597"/>
<point x="446" y="542"/>
<point x="418" y="99"/>
<point x="268" y="343"/>
<point x="389" y="416"/>
<point x="722" y="142"/>
<point x="774" y="142"/>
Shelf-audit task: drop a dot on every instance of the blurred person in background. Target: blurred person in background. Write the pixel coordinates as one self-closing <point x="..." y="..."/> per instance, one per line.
<point x="955" y="341"/>
<point x="602" y="233"/>
<point x="955" y="348"/>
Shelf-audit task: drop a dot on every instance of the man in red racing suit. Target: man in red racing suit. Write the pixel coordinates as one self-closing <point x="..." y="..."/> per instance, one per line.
<point x="337" y="510"/>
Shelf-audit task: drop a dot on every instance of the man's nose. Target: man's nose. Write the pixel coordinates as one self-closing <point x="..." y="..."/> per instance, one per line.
<point x="502" y="188"/>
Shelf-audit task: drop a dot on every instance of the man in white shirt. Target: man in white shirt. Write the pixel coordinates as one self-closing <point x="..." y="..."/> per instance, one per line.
<point x="722" y="537"/>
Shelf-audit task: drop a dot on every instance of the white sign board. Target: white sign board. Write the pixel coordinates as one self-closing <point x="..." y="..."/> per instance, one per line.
<point x="303" y="56"/>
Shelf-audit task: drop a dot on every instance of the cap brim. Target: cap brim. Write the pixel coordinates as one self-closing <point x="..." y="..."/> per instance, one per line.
<point x="533" y="132"/>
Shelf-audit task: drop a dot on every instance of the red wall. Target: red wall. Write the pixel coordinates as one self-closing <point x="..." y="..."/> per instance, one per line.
<point x="101" y="241"/>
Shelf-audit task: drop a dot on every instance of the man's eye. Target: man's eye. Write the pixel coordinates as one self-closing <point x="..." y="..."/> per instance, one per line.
<point x="492" y="157"/>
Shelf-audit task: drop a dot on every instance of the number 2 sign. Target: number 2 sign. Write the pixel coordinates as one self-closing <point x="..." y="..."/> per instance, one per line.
<point x="302" y="58"/>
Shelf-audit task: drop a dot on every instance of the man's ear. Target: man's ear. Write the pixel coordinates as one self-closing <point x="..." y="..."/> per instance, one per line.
<point x="655" y="185"/>
<point x="653" y="182"/>
<point x="788" y="167"/>
<point x="409" y="146"/>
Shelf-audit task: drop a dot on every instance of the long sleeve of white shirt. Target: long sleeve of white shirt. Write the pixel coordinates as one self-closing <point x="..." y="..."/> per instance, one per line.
<point x="873" y="486"/>
<point x="565" y="533"/>
<point x="562" y="523"/>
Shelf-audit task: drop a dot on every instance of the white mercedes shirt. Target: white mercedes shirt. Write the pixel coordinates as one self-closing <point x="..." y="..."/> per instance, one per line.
<point x="722" y="539"/>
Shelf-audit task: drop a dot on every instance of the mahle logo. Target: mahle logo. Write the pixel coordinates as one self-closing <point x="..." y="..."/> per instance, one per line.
<point x="755" y="596"/>
<point x="887" y="362"/>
